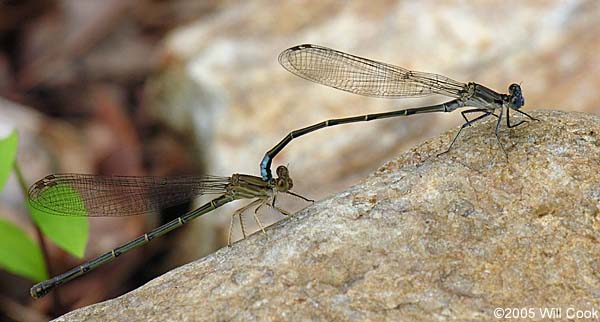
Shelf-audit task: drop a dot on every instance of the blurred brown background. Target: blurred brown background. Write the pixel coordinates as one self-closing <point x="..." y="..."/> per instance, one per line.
<point x="192" y="87"/>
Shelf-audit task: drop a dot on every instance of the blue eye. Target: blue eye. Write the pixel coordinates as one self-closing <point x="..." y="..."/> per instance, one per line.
<point x="516" y="96"/>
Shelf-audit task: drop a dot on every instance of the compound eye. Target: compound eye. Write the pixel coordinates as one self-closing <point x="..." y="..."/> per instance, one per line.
<point x="514" y="89"/>
<point x="282" y="171"/>
<point x="283" y="185"/>
<point x="516" y="96"/>
<point x="280" y="184"/>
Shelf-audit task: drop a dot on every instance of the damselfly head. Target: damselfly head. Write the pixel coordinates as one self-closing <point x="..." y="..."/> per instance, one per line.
<point x="516" y="96"/>
<point x="283" y="182"/>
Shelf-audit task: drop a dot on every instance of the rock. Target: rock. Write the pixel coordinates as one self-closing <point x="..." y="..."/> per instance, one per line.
<point x="426" y="237"/>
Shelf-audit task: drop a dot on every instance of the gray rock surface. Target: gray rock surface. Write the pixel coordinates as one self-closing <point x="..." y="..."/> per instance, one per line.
<point x="426" y="237"/>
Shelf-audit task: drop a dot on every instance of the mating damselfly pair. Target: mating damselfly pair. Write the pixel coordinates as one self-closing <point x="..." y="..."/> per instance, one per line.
<point x="89" y="195"/>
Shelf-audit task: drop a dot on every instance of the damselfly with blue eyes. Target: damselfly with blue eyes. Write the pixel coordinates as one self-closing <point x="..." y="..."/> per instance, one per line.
<point x="371" y="78"/>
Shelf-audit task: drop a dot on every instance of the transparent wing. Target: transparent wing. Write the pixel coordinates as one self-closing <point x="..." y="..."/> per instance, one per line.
<point x="363" y="76"/>
<point x="96" y="196"/>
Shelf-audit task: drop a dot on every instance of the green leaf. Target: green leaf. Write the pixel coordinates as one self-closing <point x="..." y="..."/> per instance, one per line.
<point x="19" y="254"/>
<point x="68" y="232"/>
<point x="8" y="151"/>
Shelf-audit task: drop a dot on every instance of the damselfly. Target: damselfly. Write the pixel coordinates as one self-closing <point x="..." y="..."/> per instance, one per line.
<point x="371" y="78"/>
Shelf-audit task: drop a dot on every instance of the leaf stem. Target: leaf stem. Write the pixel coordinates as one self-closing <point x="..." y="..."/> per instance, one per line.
<point x="57" y="304"/>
